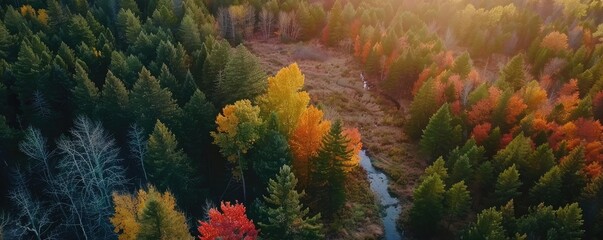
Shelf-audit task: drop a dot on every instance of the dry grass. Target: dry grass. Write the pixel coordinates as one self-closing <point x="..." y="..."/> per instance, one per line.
<point x="334" y="83"/>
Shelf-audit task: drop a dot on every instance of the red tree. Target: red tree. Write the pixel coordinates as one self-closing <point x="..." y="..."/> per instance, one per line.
<point x="230" y="224"/>
<point x="481" y="132"/>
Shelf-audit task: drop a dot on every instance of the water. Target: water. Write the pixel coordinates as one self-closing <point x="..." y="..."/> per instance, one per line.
<point x="379" y="182"/>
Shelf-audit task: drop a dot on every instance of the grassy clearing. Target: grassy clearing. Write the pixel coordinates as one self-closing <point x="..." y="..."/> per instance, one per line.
<point x="333" y="81"/>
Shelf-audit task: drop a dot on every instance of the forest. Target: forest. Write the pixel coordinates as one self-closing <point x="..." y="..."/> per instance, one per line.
<point x="256" y="119"/>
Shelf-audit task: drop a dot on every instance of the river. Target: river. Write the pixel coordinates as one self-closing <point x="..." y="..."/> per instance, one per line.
<point x="391" y="205"/>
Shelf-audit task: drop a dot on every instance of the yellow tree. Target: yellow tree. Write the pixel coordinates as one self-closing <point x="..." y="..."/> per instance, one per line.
<point x="306" y="140"/>
<point x="354" y="146"/>
<point x="135" y="215"/>
<point x="285" y="98"/>
<point x="238" y="129"/>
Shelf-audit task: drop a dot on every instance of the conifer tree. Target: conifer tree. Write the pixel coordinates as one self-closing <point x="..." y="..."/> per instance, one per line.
<point x="86" y="94"/>
<point x="129" y="26"/>
<point x="462" y="65"/>
<point x="512" y="73"/>
<point x="439" y="137"/>
<point x="6" y="41"/>
<point x="327" y="174"/>
<point x="548" y="189"/>
<point x="428" y="207"/>
<point x="218" y="55"/>
<point x="457" y="200"/>
<point x="487" y="226"/>
<point x="507" y="185"/>
<point x="79" y="31"/>
<point x="271" y="152"/>
<point x="573" y="177"/>
<point x="335" y="24"/>
<point x="150" y="102"/>
<point x="421" y="109"/>
<point x="198" y="119"/>
<point x="167" y="165"/>
<point x="189" y="34"/>
<point x="114" y="105"/>
<point x="437" y="167"/>
<point x="287" y="218"/>
<point x="462" y="170"/>
<point x="242" y="78"/>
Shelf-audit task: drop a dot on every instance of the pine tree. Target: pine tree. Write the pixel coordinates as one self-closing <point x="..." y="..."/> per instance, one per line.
<point x="457" y="200"/>
<point x="573" y="177"/>
<point x="114" y="105"/>
<point x="79" y="32"/>
<point x="167" y="165"/>
<point x="327" y="174"/>
<point x="6" y="41"/>
<point x="548" y="189"/>
<point x="513" y="74"/>
<point x="439" y="137"/>
<point x="335" y="24"/>
<point x="198" y="119"/>
<point x="462" y="170"/>
<point x="488" y="226"/>
<point x="86" y="94"/>
<point x="516" y="152"/>
<point x="150" y="102"/>
<point x="129" y="26"/>
<point x="421" y="109"/>
<point x="242" y="78"/>
<point x="462" y="65"/>
<point x="569" y="223"/>
<point x="507" y="185"/>
<point x="437" y="167"/>
<point x="287" y="218"/>
<point x="189" y="34"/>
<point x="218" y="55"/>
<point x="271" y="152"/>
<point x="428" y="207"/>
<point x="130" y="5"/>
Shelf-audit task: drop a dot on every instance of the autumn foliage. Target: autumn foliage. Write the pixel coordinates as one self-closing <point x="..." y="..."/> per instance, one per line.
<point x="228" y="223"/>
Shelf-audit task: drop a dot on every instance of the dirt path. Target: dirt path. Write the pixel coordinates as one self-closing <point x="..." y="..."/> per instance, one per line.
<point x="333" y="81"/>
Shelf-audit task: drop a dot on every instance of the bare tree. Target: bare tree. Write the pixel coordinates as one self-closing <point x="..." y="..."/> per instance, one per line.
<point x="34" y="145"/>
<point x="138" y="146"/>
<point x="89" y="172"/>
<point x="266" y="21"/>
<point x="289" y="28"/>
<point x="32" y="216"/>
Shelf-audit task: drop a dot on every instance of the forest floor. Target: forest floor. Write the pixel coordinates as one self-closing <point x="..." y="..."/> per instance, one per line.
<point x="333" y="80"/>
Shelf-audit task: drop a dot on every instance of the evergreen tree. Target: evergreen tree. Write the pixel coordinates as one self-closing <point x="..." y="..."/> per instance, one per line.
<point x="573" y="176"/>
<point x="150" y="102"/>
<point x="198" y="119"/>
<point x="462" y="65"/>
<point x="548" y="189"/>
<point x="457" y="200"/>
<point x="130" y="5"/>
<point x="462" y="170"/>
<point x="271" y="152"/>
<point x="516" y="152"/>
<point x="507" y="185"/>
<point x="167" y="165"/>
<point x="421" y="109"/>
<point x="287" y="218"/>
<point x="159" y="220"/>
<point x="86" y="94"/>
<point x="79" y="32"/>
<point x="114" y="105"/>
<point x="6" y="41"/>
<point x="428" y="207"/>
<point x="242" y="78"/>
<point x="488" y="226"/>
<point x="439" y="137"/>
<point x="189" y="34"/>
<point x="569" y="223"/>
<point x="327" y="174"/>
<point x="512" y="73"/>
<point x="218" y="55"/>
<point x="437" y="167"/>
<point x="129" y="26"/>
<point x="335" y="24"/>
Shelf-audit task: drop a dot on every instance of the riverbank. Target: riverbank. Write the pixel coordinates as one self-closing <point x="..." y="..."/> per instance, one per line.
<point x="333" y="81"/>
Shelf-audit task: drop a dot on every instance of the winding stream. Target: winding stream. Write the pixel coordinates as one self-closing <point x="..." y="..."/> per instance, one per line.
<point x="391" y="205"/>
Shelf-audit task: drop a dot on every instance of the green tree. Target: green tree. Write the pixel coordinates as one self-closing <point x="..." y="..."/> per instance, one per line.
<point x="462" y="65"/>
<point x="457" y="200"/>
<point x="7" y="41"/>
<point x="507" y="185"/>
<point x="327" y="176"/>
<point x="189" y="34"/>
<point x="242" y="78"/>
<point x="271" y="152"/>
<point x="128" y="25"/>
<point x="125" y="68"/>
<point x="197" y="121"/>
<point x="158" y="221"/>
<point x="79" y="31"/>
<point x="86" y="94"/>
<point x="167" y="165"/>
<point x="150" y="102"/>
<point x="548" y="189"/>
<point x="569" y="223"/>
<point x="512" y="73"/>
<point x="428" y="208"/>
<point x="437" y="167"/>
<point x="218" y="55"/>
<point x="573" y="176"/>
<point x="114" y="105"/>
<point x="516" y="152"/>
<point x="335" y="24"/>
<point x="287" y="218"/>
<point x="488" y="226"/>
<point x="440" y="136"/>
<point x="543" y="222"/>
<point x="421" y="109"/>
